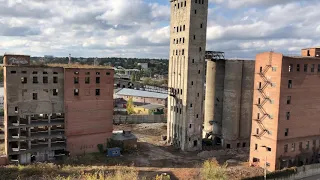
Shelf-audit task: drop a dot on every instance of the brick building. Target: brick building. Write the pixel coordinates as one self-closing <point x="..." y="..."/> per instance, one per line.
<point x="52" y="109"/>
<point x="285" y="122"/>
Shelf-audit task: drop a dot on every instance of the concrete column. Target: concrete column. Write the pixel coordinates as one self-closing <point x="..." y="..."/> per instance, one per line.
<point x="49" y="130"/>
<point x="29" y="144"/>
<point x="210" y="98"/>
<point x="49" y="143"/>
<point x="19" y="132"/>
<point x="49" y="118"/>
<point x="29" y="119"/>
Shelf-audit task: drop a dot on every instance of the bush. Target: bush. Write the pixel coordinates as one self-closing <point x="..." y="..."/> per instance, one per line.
<point x="100" y="147"/>
<point x="211" y="170"/>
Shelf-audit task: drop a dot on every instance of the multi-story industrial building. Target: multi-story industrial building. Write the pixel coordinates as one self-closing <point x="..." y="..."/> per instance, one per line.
<point x="186" y="73"/>
<point x="51" y="109"/>
<point x="285" y="121"/>
<point x="228" y="101"/>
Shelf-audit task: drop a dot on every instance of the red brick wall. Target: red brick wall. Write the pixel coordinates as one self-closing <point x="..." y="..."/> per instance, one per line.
<point x="269" y="140"/>
<point x="88" y="118"/>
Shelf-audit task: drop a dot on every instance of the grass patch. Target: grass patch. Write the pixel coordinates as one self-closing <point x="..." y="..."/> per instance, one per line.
<point x="211" y="170"/>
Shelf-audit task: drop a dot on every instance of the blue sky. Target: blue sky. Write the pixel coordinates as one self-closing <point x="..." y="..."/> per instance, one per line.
<point x="140" y="28"/>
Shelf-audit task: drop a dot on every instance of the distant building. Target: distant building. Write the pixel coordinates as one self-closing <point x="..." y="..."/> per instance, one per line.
<point x="143" y="65"/>
<point x="49" y="110"/>
<point x="142" y="96"/>
<point x="286" y="105"/>
<point x="149" y="109"/>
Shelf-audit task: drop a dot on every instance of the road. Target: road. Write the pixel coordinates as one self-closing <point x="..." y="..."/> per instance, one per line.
<point x="317" y="177"/>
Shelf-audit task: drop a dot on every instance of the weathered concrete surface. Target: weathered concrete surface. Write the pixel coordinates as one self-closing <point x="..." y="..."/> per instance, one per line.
<point x="246" y="100"/>
<point x="219" y="92"/>
<point x="210" y="98"/>
<point x="186" y="74"/>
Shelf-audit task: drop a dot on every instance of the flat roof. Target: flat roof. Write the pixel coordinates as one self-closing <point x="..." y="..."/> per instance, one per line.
<point x="65" y="66"/>
<point x="151" y="106"/>
<point x="139" y="93"/>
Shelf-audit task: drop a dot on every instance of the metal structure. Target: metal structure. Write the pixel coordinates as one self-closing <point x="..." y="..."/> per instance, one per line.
<point x="265" y="98"/>
<point x="214" y="55"/>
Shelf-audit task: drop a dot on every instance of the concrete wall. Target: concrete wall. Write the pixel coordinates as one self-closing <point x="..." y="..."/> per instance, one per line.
<point x="88" y="116"/>
<point x="219" y="92"/>
<point x="186" y="73"/>
<point x="138" y="119"/>
<point x="19" y="103"/>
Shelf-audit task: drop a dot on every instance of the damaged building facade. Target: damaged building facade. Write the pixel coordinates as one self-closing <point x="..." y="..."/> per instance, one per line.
<point x="51" y="110"/>
<point x="186" y="73"/>
<point x="228" y="101"/>
<point x="285" y="121"/>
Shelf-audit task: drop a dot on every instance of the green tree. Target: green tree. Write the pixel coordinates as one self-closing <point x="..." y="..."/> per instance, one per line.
<point x="130" y="109"/>
<point x="211" y="170"/>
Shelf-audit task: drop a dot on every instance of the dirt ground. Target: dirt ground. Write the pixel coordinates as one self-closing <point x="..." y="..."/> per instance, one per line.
<point x="154" y="156"/>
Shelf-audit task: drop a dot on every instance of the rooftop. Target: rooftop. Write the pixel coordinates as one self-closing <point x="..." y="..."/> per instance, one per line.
<point x="66" y="66"/>
<point x="139" y="93"/>
<point x="152" y="106"/>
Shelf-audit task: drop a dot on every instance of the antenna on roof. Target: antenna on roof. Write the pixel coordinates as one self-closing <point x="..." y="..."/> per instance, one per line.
<point x="69" y="59"/>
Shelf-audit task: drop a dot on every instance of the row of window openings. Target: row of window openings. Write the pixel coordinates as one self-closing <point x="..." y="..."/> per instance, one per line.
<point x="183" y="27"/>
<point x="267" y="148"/>
<point x="288" y="100"/>
<point x="293" y="146"/>
<point x="54" y="93"/>
<point x="181" y="40"/>
<point x="286" y="133"/>
<point x="86" y="80"/>
<point x="274" y="85"/>
<point x="192" y="59"/>
<point x="184" y="4"/>
<point x="76" y="92"/>
<point x="305" y="68"/>
<point x="88" y="73"/>
<point x="176" y="52"/>
<point x="34" y="72"/>
<point x="179" y="110"/>
<point x="24" y="80"/>
<point x="287" y="116"/>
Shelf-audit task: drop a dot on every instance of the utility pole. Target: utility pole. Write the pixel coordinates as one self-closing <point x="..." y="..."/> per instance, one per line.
<point x="265" y="164"/>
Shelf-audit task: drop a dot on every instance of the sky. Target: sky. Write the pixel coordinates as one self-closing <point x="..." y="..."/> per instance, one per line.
<point x="140" y="28"/>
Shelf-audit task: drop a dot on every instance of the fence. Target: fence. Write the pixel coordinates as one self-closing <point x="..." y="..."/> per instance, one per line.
<point x="290" y="174"/>
<point x="138" y="119"/>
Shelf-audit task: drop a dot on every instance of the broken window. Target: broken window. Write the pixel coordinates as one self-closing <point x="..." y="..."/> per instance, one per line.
<point x="87" y="73"/>
<point x="192" y="83"/>
<point x="13" y="72"/>
<point x="228" y="146"/>
<point x="182" y="40"/>
<point x="305" y="68"/>
<point x="97" y="80"/>
<point x="274" y="69"/>
<point x="286" y="133"/>
<point x="76" y="80"/>
<point x="44" y="72"/>
<point x="199" y="71"/>
<point x="185" y="3"/>
<point x="290" y="67"/>
<point x="35" y="80"/>
<point x="307" y="144"/>
<point x="76" y="72"/>
<point x="97" y="92"/>
<point x="286" y="148"/>
<point x="24" y="72"/>
<point x="192" y="60"/>
<point x="191" y="105"/>
<point x="288" y="99"/>
<point x="195" y="143"/>
<point x="293" y="147"/>
<point x="55" y="79"/>
<point x="260" y="69"/>
<point x="244" y="144"/>
<point x="308" y="53"/>
<point x="24" y="80"/>
<point x="76" y="92"/>
<point x="34" y="72"/>
<point x="199" y="49"/>
<point x="16" y="109"/>
<point x="288" y="115"/>
<point x="55" y="72"/>
<point x="190" y="125"/>
<point x="300" y="145"/>
<point x="45" y="79"/>
<point x="197" y="116"/>
<point x="269" y="149"/>
<point x="312" y="67"/>
<point x="34" y="96"/>
<point x="87" y="80"/>
<point x="290" y="84"/>
<point x="318" y="67"/>
<point x="55" y="92"/>
<point x="298" y="67"/>
<point x="97" y="73"/>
